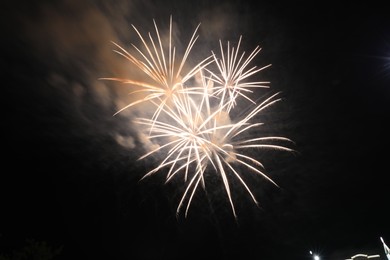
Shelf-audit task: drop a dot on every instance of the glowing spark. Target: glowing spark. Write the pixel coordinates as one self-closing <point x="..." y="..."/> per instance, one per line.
<point x="192" y="133"/>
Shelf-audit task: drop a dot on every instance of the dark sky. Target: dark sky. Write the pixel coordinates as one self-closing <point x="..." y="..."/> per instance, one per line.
<point x="70" y="172"/>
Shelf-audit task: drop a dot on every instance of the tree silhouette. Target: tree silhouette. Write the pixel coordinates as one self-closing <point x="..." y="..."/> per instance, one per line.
<point x="34" y="250"/>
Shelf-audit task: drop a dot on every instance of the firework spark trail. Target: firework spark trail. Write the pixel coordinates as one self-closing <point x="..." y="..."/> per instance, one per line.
<point x="191" y="124"/>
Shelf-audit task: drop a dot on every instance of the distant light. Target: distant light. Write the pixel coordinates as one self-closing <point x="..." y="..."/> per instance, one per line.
<point x="316" y="257"/>
<point x="360" y="256"/>
<point x="386" y="248"/>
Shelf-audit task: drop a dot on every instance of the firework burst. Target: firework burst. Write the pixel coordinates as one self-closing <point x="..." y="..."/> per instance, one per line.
<point x="191" y="125"/>
<point x="158" y="63"/>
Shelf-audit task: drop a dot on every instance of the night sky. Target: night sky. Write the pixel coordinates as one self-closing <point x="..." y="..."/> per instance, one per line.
<point x="70" y="172"/>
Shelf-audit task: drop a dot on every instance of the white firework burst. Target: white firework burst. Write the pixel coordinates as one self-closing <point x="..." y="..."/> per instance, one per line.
<point x="191" y="124"/>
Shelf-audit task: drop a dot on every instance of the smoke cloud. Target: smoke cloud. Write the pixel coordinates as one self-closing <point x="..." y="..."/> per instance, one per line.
<point x="74" y="41"/>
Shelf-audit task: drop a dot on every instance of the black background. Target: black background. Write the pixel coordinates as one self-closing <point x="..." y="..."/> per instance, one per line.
<point x="67" y="182"/>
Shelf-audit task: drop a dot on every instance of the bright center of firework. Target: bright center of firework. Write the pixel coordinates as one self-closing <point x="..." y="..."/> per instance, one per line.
<point x="192" y="125"/>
